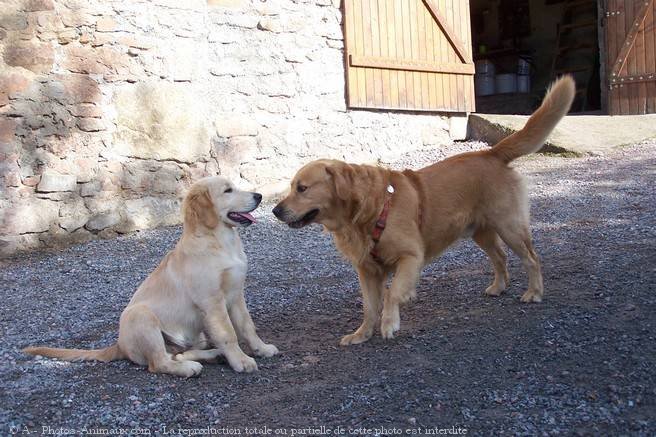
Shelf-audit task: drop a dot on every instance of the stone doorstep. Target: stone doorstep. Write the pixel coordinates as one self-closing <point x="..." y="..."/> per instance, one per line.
<point x="575" y="134"/>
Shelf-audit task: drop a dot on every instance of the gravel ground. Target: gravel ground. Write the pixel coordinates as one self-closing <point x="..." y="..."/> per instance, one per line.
<point x="582" y="362"/>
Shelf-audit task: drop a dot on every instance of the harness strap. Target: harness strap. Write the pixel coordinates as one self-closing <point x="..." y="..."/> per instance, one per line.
<point x="382" y="222"/>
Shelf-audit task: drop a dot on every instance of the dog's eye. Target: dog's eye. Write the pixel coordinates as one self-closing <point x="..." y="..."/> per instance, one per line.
<point x="301" y="188"/>
<point x="228" y="190"/>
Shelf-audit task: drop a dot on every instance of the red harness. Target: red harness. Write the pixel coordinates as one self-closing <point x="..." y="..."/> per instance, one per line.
<point x="382" y="222"/>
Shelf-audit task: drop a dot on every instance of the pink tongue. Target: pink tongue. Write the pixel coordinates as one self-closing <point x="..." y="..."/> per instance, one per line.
<point x="247" y="216"/>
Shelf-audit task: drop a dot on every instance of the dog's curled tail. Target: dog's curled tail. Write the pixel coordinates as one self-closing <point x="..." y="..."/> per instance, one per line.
<point x="540" y="124"/>
<point x="110" y="353"/>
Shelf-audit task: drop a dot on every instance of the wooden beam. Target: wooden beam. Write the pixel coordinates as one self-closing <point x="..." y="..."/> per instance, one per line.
<point x="630" y="38"/>
<point x="451" y="36"/>
<point x="410" y="65"/>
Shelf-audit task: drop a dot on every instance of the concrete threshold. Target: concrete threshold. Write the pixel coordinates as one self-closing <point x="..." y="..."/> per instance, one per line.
<point x="576" y="134"/>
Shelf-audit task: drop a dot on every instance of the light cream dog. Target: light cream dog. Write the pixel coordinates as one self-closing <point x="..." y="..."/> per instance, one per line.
<point x="475" y="195"/>
<point x="196" y="293"/>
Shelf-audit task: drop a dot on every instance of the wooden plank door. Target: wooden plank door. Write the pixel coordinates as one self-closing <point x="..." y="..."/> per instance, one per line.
<point x="409" y="55"/>
<point x="631" y="60"/>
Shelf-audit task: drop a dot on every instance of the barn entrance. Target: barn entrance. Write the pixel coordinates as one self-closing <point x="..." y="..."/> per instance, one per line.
<point x="609" y="46"/>
<point x="498" y="56"/>
<point x="520" y="46"/>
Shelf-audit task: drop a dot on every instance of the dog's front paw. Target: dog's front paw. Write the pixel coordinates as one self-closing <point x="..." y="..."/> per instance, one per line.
<point x="266" y="350"/>
<point x="389" y="327"/>
<point x="531" y="296"/>
<point x="244" y="364"/>
<point x="497" y="287"/>
<point x="355" y="338"/>
<point x="493" y="290"/>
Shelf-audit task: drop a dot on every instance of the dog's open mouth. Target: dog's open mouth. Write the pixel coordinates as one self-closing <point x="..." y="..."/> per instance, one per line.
<point x="305" y="220"/>
<point x="243" y="218"/>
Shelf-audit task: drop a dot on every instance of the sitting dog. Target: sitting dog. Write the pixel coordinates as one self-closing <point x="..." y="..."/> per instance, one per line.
<point x="197" y="290"/>
<point x="387" y="221"/>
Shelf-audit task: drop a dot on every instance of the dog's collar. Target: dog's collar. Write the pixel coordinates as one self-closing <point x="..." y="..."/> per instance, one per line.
<point x="382" y="221"/>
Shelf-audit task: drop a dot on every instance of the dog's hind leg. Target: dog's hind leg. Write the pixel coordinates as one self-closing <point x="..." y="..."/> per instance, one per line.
<point x="489" y="241"/>
<point x="198" y="355"/>
<point x="519" y="240"/>
<point x="371" y="284"/>
<point x="140" y="337"/>
<point x="165" y="364"/>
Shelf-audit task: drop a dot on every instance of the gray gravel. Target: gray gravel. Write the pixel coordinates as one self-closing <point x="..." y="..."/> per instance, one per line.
<point x="582" y="362"/>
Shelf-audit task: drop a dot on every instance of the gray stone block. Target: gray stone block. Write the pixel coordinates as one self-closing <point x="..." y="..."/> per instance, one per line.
<point x="55" y="182"/>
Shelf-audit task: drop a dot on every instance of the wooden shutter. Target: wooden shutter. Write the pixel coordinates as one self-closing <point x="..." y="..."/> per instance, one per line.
<point x="631" y="45"/>
<point x="409" y="55"/>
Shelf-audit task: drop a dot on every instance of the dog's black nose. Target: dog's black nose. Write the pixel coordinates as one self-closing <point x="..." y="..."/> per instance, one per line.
<point x="278" y="210"/>
<point x="257" y="197"/>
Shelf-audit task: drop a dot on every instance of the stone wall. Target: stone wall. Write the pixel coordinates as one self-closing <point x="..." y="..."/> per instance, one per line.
<point x="110" y="109"/>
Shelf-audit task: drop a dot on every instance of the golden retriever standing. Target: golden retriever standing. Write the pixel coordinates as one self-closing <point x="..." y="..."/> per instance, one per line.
<point x="387" y="221"/>
<point x="197" y="290"/>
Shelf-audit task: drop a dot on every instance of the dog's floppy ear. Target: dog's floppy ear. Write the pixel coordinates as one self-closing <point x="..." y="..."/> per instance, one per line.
<point x="342" y="175"/>
<point x="199" y="209"/>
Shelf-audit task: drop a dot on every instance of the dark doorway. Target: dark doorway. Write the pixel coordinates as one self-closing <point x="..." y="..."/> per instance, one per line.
<point x="520" y="46"/>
